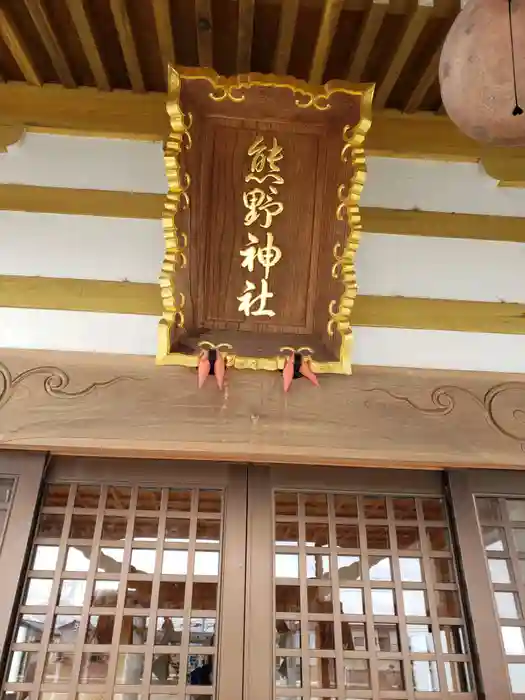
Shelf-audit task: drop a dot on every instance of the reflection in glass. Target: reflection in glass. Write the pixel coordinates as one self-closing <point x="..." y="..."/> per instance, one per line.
<point x="379" y="568"/>
<point x="354" y="636"/>
<point x="22" y="667"/>
<point x="507" y="605"/>
<point x="130" y="668"/>
<point x="347" y="536"/>
<point x="288" y="672"/>
<point x="110" y="560"/>
<point x="165" y="669"/>
<point x="415" y="603"/>
<point x="56" y="495"/>
<point x="100" y="629"/>
<point x="29" y="629"/>
<point x="206" y="564"/>
<point x="319" y="599"/>
<point x="285" y="503"/>
<point x="386" y="637"/>
<point x="77" y="559"/>
<point x="443" y="570"/>
<point x="202" y="631"/>
<point x="87" y="496"/>
<point x="420" y="639"/>
<point x="179" y="500"/>
<point x="390" y="674"/>
<point x="134" y="630"/>
<point x="148" y="499"/>
<point x="458" y="677"/>
<point x="175" y="562"/>
<point x="143" y="561"/>
<point x="204" y="596"/>
<point x="6" y="490"/>
<point x="357" y="674"/>
<point x="493" y="539"/>
<point x="171" y="595"/>
<point x="321" y="635"/>
<point x="517" y="677"/>
<point x="351" y="601"/>
<point x="408" y="538"/>
<point x="452" y="639"/>
<point x="349" y="568"/>
<point x="438" y="539"/>
<point x="44" y="558"/>
<point x="383" y="601"/>
<point x="65" y="629"/>
<point x="288" y="634"/>
<point x="58" y="667"/>
<point x="518" y="535"/>
<point x="287" y="534"/>
<point x="316" y="534"/>
<point x="516" y="509"/>
<point x="118" y="498"/>
<point x="377" y="537"/>
<point x="322" y="673"/>
<point x="50" y="525"/>
<point x="38" y="591"/>
<point x="113" y="528"/>
<point x="287" y="599"/>
<point x="210" y="501"/>
<point x="209" y="531"/>
<point x="177" y="530"/>
<point x="286" y="566"/>
<point x="499" y="571"/>
<point x="374" y="507"/>
<point x="425" y="676"/>
<point x="146" y="529"/>
<point x="433" y="509"/>
<point x="405" y="509"/>
<point x="345" y="506"/>
<point x="105" y="594"/>
<point x="200" y="670"/>
<point x="513" y="640"/>
<point x="488" y="509"/>
<point x="138" y="594"/>
<point x="82" y="527"/>
<point x="410" y="569"/>
<point x="317" y="566"/>
<point x="315" y="504"/>
<point x="447" y="603"/>
<point x="72" y="592"/>
<point x="169" y="631"/>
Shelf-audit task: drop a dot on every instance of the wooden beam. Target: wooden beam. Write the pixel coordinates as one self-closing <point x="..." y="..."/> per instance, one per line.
<point x="127" y="43"/>
<point x="427" y="79"/>
<point x="367" y="37"/>
<point x="415" y="24"/>
<point x="18" y="49"/>
<point x="331" y="12"/>
<point x="87" y="39"/>
<point x="288" y="19"/>
<point x="162" y="13"/>
<point x="380" y="312"/>
<point x="203" y="18"/>
<point x="245" y="35"/>
<point x="57" y="56"/>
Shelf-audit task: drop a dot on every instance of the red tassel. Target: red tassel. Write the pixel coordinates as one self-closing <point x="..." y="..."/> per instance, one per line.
<point x="288" y="373"/>
<point x="306" y="371"/>
<point x="203" y="369"/>
<point x="219" y="369"/>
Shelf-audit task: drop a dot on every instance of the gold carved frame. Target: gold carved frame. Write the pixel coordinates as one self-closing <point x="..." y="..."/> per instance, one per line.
<point x="176" y="241"/>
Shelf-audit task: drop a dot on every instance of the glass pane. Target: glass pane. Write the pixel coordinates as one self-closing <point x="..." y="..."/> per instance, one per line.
<point x="420" y="639"/>
<point x="518" y="535"/>
<point x="38" y="591"/>
<point x="138" y="594"/>
<point x="288" y="634"/>
<point x="206" y="564"/>
<point x="425" y="676"/>
<point x="458" y="677"/>
<point x="87" y="496"/>
<point x="202" y="631"/>
<point x="105" y="594"/>
<point x="488" y="509"/>
<point x="58" y="667"/>
<point x="315" y="504"/>
<point x="50" y="525"/>
<point x="29" y="629"/>
<point x="72" y="592"/>
<point x="286" y="566"/>
<point x="147" y="529"/>
<point x="383" y="602"/>
<point x="507" y="605"/>
<point x="322" y="673"/>
<point x="405" y="509"/>
<point x="287" y="599"/>
<point x="77" y="559"/>
<point x="351" y="601"/>
<point x="65" y="629"/>
<point x="347" y="536"/>
<point x="179" y="500"/>
<point x="374" y="507"/>
<point x="113" y="528"/>
<point x="200" y="669"/>
<point x="317" y="566"/>
<point x="443" y="570"/>
<point x="175" y="562"/>
<point x="316" y="535"/>
<point x="345" y="506"/>
<point x="452" y="639"/>
<point x="56" y="495"/>
<point x="44" y="558"/>
<point x="499" y="571"/>
<point x="516" y="509"/>
<point x="210" y="501"/>
<point x="408" y="538"/>
<point x="130" y="669"/>
<point x="209" y="531"/>
<point x="100" y="629"/>
<point x="178" y="529"/>
<point x="379" y="568"/>
<point x="513" y="640"/>
<point x="349" y="568"/>
<point x="433" y="509"/>
<point x="148" y="499"/>
<point x="134" y="630"/>
<point x="390" y="675"/>
<point x="416" y="603"/>
<point x="354" y="636"/>
<point x="319" y="599"/>
<point x="110" y="560"/>
<point x="171" y="595"/>
<point x="118" y="498"/>
<point x="286" y="503"/>
<point x="204" y="596"/>
<point x="169" y="631"/>
<point x="438" y="539"/>
<point x="143" y="561"/>
<point x="410" y="569"/>
<point x="387" y="637"/>
<point x="448" y="604"/>
<point x="517" y="677"/>
<point x="357" y="674"/>
<point x="321" y="635"/>
<point x="22" y="667"/>
<point x="377" y="537"/>
<point x="493" y="539"/>
<point x="288" y="672"/>
<point x="82" y="527"/>
<point x="165" y="669"/>
<point x="287" y="534"/>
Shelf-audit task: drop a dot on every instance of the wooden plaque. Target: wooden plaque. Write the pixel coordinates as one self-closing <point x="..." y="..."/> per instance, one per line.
<point x="261" y="221"/>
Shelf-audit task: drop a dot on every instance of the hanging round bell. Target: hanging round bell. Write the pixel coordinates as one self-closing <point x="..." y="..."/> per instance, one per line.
<point x="482" y="71"/>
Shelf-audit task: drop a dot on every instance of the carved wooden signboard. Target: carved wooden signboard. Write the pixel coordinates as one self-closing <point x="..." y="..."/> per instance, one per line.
<point x="261" y="221"/>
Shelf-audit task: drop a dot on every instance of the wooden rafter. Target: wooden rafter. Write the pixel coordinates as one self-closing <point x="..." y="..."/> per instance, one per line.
<point x="414" y="26"/>
<point x="245" y="35"/>
<point x="424" y="84"/>
<point x="161" y="11"/>
<point x="87" y="39"/>
<point x="127" y="43"/>
<point x="281" y="59"/>
<point x="332" y="10"/>
<point x="57" y="56"/>
<point x="367" y="36"/>
<point x="18" y="49"/>
<point x="204" y="32"/>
